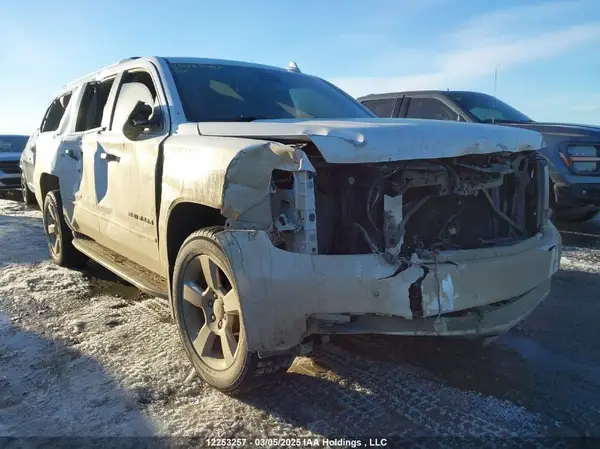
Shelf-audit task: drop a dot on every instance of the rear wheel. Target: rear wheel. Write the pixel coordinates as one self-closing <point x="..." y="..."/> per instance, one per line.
<point x="210" y="321"/>
<point x="28" y="196"/>
<point x="59" y="235"/>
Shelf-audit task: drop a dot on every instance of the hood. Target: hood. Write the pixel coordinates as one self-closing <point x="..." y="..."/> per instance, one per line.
<point x="384" y="140"/>
<point x="566" y="129"/>
<point x="12" y="156"/>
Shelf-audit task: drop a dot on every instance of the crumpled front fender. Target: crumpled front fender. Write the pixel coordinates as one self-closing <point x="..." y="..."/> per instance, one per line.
<point x="248" y="176"/>
<point x="230" y="174"/>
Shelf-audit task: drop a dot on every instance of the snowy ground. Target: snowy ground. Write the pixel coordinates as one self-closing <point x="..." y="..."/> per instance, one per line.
<point x="82" y="354"/>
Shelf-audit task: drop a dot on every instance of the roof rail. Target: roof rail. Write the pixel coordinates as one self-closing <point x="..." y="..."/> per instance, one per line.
<point x="101" y="70"/>
<point x="131" y="58"/>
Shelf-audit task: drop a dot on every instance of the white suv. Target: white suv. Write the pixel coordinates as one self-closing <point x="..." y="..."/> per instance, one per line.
<point x="269" y="207"/>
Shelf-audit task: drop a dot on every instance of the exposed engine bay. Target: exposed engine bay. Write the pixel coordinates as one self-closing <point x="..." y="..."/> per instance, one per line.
<point x="413" y="207"/>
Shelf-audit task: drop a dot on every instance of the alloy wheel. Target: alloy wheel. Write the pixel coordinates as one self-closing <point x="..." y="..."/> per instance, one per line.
<point x="51" y="224"/>
<point x="211" y="313"/>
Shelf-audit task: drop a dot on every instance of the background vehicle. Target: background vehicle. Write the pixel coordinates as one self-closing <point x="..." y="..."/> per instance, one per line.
<point x="269" y="207"/>
<point x="11" y="147"/>
<point x="573" y="151"/>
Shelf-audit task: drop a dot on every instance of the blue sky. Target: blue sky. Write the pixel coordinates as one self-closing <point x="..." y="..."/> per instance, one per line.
<point x="547" y="52"/>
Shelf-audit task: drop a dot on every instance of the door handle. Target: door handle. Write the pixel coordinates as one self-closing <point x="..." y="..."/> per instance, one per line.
<point x="72" y="154"/>
<point x="108" y="157"/>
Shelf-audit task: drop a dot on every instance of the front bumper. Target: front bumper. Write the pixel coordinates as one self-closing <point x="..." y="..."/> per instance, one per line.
<point x="10" y="182"/>
<point x="10" y="174"/>
<point x="287" y="296"/>
<point x="577" y="195"/>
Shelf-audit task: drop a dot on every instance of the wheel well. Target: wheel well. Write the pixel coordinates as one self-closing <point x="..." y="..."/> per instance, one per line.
<point x="47" y="184"/>
<point x="184" y="219"/>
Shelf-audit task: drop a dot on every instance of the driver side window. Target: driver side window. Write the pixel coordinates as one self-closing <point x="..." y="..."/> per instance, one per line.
<point x="430" y="108"/>
<point x="136" y="86"/>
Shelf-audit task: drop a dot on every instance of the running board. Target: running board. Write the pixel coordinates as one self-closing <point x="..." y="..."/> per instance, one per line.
<point x="135" y="274"/>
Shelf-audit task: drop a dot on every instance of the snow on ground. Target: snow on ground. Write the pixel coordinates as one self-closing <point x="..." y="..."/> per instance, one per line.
<point x="76" y="358"/>
<point x="21" y="234"/>
<point x="580" y="259"/>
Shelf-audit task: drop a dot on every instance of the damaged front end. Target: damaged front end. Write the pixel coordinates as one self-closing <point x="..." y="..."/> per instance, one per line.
<point x="413" y="207"/>
<point x="452" y="246"/>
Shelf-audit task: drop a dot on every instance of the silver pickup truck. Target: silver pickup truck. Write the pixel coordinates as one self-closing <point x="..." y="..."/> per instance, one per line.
<point x="269" y="207"/>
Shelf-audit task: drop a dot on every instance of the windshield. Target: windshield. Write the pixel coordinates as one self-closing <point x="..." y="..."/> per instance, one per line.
<point x="12" y="144"/>
<point x="220" y="92"/>
<point x="488" y="109"/>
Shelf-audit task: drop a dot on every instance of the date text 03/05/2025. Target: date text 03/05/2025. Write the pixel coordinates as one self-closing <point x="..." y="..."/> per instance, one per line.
<point x="297" y="442"/>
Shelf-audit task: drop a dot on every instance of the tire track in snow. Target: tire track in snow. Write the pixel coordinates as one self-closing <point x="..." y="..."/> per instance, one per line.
<point x="138" y="349"/>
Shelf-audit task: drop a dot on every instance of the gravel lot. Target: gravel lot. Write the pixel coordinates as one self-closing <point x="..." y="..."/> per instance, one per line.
<point x="83" y="354"/>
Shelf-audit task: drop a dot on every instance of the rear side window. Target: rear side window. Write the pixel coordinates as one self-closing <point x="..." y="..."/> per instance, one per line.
<point x="381" y="108"/>
<point x="93" y="105"/>
<point x="430" y="108"/>
<point x="55" y="113"/>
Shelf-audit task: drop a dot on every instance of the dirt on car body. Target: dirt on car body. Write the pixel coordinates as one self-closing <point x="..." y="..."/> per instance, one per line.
<point x="269" y="207"/>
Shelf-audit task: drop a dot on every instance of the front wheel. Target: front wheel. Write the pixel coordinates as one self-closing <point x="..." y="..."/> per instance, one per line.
<point x="59" y="235"/>
<point x="210" y="321"/>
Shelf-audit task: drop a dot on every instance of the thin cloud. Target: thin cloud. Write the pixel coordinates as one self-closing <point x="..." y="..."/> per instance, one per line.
<point x="483" y="60"/>
<point x="497" y="26"/>
<point x="482" y="44"/>
<point x="583" y="108"/>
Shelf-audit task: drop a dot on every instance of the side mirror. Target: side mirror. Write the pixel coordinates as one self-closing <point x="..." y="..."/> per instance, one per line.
<point x="139" y="119"/>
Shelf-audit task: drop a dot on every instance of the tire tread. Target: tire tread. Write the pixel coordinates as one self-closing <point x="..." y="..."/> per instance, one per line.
<point x="70" y="257"/>
<point x="28" y="196"/>
<point x="257" y="371"/>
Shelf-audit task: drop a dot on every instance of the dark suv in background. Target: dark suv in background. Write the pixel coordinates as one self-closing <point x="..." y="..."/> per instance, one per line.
<point x="572" y="151"/>
<point x="11" y="147"/>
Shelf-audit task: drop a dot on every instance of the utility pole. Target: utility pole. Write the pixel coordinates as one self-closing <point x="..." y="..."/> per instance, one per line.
<point x="495" y="80"/>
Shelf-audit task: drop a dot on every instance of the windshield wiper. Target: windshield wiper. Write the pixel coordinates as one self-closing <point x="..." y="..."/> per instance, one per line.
<point x="499" y="120"/>
<point x="244" y="118"/>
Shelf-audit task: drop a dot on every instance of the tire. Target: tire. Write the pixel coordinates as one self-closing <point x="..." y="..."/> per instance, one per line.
<point x="28" y="196"/>
<point x="58" y="235"/>
<point x="206" y="321"/>
<point x="575" y="216"/>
